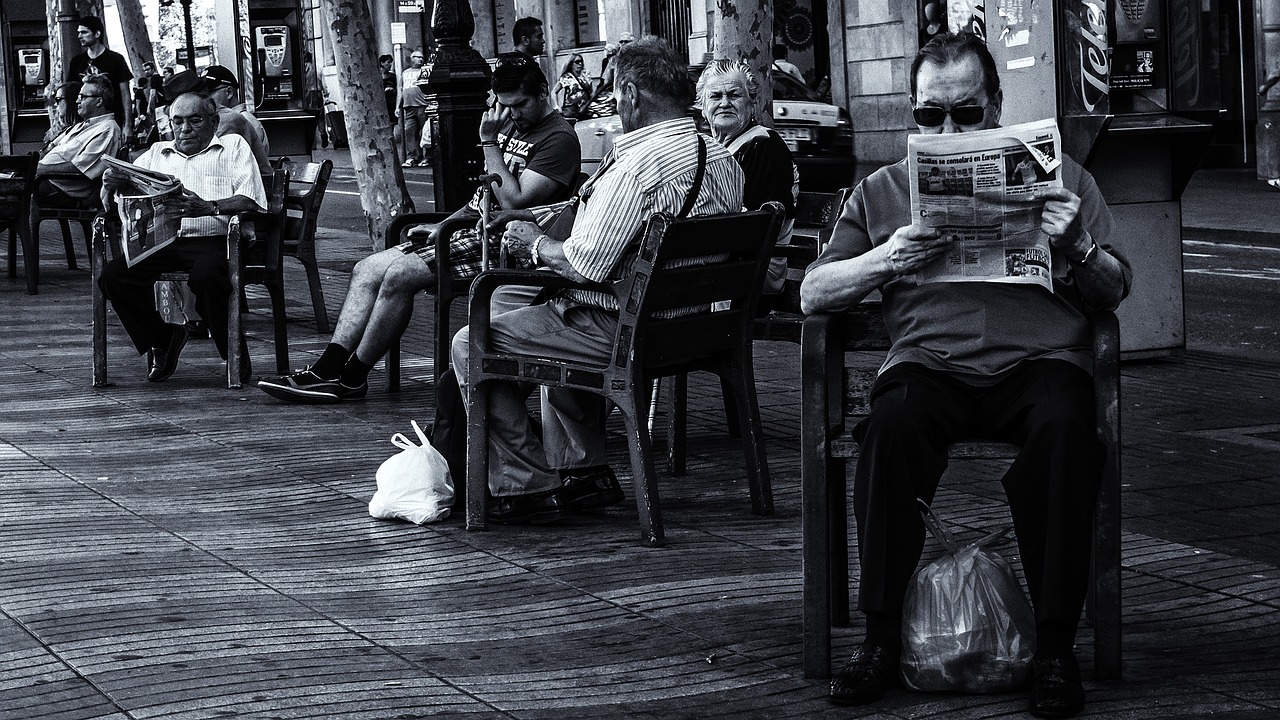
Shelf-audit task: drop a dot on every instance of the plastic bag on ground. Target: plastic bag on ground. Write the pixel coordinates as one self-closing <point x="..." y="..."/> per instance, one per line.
<point x="414" y="484"/>
<point x="966" y="624"/>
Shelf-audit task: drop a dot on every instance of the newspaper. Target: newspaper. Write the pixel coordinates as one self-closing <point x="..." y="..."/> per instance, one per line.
<point x="151" y="214"/>
<point x="982" y="189"/>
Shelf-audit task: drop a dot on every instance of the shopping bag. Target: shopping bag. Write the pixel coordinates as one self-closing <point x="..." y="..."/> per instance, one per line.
<point x="966" y="624"/>
<point x="414" y="484"/>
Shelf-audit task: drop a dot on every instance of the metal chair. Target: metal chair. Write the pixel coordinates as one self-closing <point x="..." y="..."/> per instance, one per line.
<point x="731" y="254"/>
<point x="835" y="397"/>
<point x="247" y="267"/>
<point x="17" y="186"/>
<point x="307" y="184"/>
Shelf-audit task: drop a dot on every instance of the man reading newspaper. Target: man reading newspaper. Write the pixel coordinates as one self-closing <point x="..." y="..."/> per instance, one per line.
<point x="1009" y="360"/>
<point x="218" y="178"/>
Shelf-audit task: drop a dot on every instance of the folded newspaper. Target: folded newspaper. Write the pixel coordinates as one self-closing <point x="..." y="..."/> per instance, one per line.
<point x="983" y="189"/>
<point x="150" y="214"/>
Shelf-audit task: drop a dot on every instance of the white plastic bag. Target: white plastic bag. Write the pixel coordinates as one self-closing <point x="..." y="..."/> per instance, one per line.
<point x="414" y="484"/>
<point x="966" y="624"/>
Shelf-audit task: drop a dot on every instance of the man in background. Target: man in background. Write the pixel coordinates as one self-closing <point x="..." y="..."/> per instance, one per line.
<point x="98" y="60"/>
<point x="75" y="155"/>
<point x="234" y="116"/>
<point x="529" y="37"/>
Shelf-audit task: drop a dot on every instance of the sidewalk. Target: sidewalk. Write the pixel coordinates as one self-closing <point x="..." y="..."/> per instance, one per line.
<point x="185" y="551"/>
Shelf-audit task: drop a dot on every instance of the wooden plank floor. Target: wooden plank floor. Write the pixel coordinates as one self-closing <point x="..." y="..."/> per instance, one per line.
<point x="185" y="551"/>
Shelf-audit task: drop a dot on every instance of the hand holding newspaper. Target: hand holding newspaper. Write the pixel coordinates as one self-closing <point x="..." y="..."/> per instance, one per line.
<point x="983" y="189"/>
<point x="151" y="209"/>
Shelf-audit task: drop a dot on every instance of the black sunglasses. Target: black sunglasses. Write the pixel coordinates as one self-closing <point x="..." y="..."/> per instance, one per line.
<point x="512" y="60"/>
<point x="929" y="116"/>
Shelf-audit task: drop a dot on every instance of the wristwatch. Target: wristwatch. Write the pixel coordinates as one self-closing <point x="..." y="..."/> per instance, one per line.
<point x="1093" y="250"/>
<point x="216" y="210"/>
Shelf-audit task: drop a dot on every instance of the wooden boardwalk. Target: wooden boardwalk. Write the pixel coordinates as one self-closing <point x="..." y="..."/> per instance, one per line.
<point x="185" y="551"/>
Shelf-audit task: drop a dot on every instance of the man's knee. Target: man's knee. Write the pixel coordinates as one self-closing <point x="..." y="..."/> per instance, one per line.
<point x="406" y="276"/>
<point x="459" y="354"/>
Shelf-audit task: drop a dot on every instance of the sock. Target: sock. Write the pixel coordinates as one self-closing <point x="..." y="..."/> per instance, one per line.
<point x="329" y="366"/>
<point x="1054" y="638"/>
<point x="355" y="372"/>
<point x="884" y="628"/>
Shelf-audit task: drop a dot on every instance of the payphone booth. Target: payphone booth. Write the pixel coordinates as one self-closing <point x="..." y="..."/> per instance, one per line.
<point x="26" y="47"/>
<point x="279" y="86"/>
<point x="1134" y="86"/>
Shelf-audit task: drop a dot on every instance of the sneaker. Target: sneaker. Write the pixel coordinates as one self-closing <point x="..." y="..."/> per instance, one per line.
<point x="305" y="386"/>
<point x="408" y="164"/>
<point x="590" y="488"/>
<point x="425" y="162"/>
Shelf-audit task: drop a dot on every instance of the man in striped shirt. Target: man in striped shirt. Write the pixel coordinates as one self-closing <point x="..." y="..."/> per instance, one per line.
<point x="220" y="178"/>
<point x="652" y="168"/>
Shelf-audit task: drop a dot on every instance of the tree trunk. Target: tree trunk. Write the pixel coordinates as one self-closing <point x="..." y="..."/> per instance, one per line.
<point x="383" y="192"/>
<point x="744" y="31"/>
<point x="137" y="41"/>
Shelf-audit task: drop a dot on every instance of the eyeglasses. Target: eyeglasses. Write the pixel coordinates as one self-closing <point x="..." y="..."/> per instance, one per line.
<point x="82" y="96"/>
<point x="930" y="116"/>
<point x="194" y="121"/>
<point x="512" y="60"/>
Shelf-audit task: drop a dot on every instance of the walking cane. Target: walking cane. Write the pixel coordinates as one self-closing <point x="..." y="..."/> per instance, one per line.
<point x="486" y="203"/>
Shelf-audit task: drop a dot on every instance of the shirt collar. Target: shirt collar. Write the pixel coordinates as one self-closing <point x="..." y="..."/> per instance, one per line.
<point x="666" y="128"/>
<point x="169" y="149"/>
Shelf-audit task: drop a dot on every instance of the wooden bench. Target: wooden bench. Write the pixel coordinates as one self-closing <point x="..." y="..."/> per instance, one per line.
<point x="835" y="396"/>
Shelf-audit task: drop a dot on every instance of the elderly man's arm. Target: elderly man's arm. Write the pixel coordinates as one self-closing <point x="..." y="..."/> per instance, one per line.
<point x="1099" y="276"/>
<point x="841" y="283"/>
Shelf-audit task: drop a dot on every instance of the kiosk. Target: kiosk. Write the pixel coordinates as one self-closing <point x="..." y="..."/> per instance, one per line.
<point x="26" y="65"/>
<point x="1133" y="85"/>
<point x="279" y="76"/>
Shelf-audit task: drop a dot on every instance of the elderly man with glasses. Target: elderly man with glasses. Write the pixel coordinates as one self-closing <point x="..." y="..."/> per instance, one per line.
<point x="71" y="165"/>
<point x="1011" y="361"/>
<point x="220" y="178"/>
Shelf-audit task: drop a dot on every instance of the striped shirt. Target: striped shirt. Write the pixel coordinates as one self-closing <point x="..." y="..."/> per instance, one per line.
<point x="83" y="145"/>
<point x="650" y="170"/>
<point x="223" y="169"/>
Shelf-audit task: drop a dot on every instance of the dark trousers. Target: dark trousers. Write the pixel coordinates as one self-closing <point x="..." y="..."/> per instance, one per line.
<point x="131" y="290"/>
<point x="1044" y="406"/>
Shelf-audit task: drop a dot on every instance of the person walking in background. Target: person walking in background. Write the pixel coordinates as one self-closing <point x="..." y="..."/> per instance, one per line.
<point x="573" y="90"/>
<point x="413" y="111"/>
<point x="528" y="37"/>
<point x="98" y="60"/>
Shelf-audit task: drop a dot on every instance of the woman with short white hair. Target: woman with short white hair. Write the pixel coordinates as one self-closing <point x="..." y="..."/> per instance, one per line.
<point x="726" y="94"/>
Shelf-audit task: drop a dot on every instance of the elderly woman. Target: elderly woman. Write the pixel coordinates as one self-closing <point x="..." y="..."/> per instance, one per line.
<point x="727" y="93"/>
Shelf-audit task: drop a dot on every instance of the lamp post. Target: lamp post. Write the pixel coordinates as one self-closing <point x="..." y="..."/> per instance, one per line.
<point x="186" y="21"/>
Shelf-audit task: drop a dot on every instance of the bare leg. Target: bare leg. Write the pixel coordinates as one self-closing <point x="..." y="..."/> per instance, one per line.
<point x="366" y="280"/>
<point x="392" y="307"/>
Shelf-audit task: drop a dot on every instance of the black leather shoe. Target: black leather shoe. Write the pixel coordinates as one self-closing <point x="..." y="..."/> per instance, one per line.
<point x="866" y="676"/>
<point x="590" y="488"/>
<point x="164" y="361"/>
<point x="1056" y="690"/>
<point x="536" y="509"/>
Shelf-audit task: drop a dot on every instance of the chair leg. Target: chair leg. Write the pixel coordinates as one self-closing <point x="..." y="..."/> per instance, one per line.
<point x="393" y="366"/>
<point x="444" y="339"/>
<point x="97" y="259"/>
<point x="280" y="324"/>
<point x="66" y="244"/>
<point x="644" y="477"/>
<point x="31" y="257"/>
<point x="477" y="455"/>
<point x="677" y="424"/>
<point x="816" y="537"/>
<point x="740" y="380"/>
<point x="233" y="326"/>
<point x="838" y="532"/>
<point x="730" y="410"/>
<point x="13" y="251"/>
<point x="87" y="227"/>
<point x="317" y="295"/>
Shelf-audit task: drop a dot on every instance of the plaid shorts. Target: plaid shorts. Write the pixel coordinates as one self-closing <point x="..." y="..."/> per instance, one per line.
<point x="464" y="252"/>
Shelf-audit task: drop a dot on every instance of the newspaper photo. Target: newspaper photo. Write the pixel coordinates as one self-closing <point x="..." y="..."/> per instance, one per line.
<point x="150" y="215"/>
<point x="982" y="189"/>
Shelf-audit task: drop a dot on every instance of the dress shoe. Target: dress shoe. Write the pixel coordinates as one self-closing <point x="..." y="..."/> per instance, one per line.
<point x="866" y="676"/>
<point x="164" y="361"/>
<point x="535" y="509"/>
<point x="590" y="488"/>
<point x="1056" y="690"/>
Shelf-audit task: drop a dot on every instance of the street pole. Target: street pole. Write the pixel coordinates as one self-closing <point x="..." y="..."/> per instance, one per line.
<point x="457" y="80"/>
<point x="191" y="47"/>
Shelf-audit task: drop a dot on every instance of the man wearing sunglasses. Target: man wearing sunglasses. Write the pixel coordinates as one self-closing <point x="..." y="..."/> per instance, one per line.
<point x="1012" y="360"/>
<point x="71" y="164"/>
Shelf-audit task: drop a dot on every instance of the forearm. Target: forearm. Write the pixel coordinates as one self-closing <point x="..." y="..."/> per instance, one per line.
<point x="231" y="205"/>
<point x="551" y="255"/>
<point x="843" y="284"/>
<point x="1100" y="280"/>
<point x="65" y="167"/>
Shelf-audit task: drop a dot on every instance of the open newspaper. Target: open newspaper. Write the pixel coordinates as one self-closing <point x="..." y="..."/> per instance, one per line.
<point x="982" y="189"/>
<point x="151" y="216"/>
